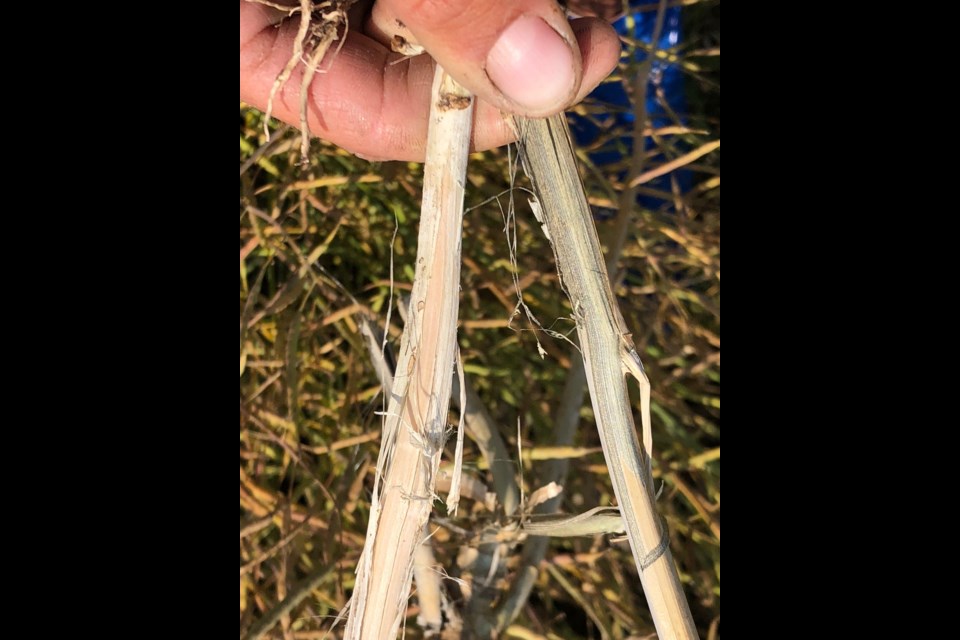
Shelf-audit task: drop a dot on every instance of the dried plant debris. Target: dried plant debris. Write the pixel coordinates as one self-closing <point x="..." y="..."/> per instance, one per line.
<point x="320" y="25"/>
<point x="327" y="252"/>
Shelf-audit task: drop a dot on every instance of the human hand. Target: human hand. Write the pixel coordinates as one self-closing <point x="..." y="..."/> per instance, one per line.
<point x="517" y="56"/>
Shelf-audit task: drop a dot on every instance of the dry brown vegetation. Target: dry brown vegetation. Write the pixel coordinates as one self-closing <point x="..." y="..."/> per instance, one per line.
<point x="326" y="248"/>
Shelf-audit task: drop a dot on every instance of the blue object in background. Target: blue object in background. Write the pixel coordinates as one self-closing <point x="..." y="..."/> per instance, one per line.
<point x="664" y="76"/>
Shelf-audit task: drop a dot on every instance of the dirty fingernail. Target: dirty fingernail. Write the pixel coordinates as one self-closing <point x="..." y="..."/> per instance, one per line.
<point x="532" y="65"/>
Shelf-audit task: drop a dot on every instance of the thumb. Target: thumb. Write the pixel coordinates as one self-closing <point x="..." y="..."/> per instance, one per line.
<point x="518" y="55"/>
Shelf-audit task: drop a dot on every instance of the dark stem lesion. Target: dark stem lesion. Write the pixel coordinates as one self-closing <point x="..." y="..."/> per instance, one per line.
<point x="450" y="101"/>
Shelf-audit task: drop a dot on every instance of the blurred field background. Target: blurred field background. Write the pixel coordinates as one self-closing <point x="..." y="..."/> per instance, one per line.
<point x="316" y="249"/>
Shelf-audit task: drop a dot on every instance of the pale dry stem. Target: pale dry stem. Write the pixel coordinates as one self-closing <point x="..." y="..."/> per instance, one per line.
<point x="415" y="429"/>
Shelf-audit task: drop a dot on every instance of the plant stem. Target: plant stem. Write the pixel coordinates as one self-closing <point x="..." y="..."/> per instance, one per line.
<point x="608" y="353"/>
<point x="415" y="428"/>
